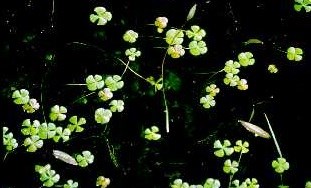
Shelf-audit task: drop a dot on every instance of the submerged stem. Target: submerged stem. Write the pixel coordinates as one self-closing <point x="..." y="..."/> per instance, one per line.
<point x="273" y="136"/>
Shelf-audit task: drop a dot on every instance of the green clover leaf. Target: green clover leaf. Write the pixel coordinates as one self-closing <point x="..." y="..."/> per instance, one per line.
<point x="58" y="113"/>
<point x="105" y="94"/>
<point x="114" y="82"/>
<point x="280" y="165"/>
<point x="49" y="178"/>
<point x="152" y="133"/>
<point x="237" y="184"/>
<point x="20" y="96"/>
<point x="196" y="33"/>
<point x="294" y="54"/>
<point x="197" y="47"/>
<point x="29" y="128"/>
<point x="223" y="149"/>
<point x="116" y="105"/>
<point x="246" y="58"/>
<point x="308" y="184"/>
<point x="230" y="167"/>
<point x="101" y="17"/>
<point x="241" y="147"/>
<point x="232" y="67"/>
<point x="75" y="124"/>
<point x="242" y="84"/>
<point x="94" y="82"/>
<point x="47" y="130"/>
<point x="130" y="36"/>
<point x="31" y="106"/>
<point x="211" y="183"/>
<point x="178" y="183"/>
<point x="132" y="53"/>
<point x="102" y="115"/>
<point x="71" y="184"/>
<point x="252" y="183"/>
<point x="174" y="36"/>
<point x="231" y="79"/>
<point x="207" y="101"/>
<point x="9" y="141"/>
<point x="33" y="142"/>
<point x="212" y="90"/>
<point x="42" y="169"/>
<point x="272" y="69"/>
<point x="299" y="4"/>
<point x="60" y="133"/>
<point x="176" y="51"/>
<point x="160" y="23"/>
<point x="102" y="181"/>
<point x="85" y="159"/>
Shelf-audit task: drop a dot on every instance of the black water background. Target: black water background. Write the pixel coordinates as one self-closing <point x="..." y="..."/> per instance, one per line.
<point x="144" y="164"/>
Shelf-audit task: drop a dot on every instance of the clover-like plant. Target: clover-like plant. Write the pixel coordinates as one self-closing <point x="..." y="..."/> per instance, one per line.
<point x="114" y="82"/>
<point x="174" y="37"/>
<point x="105" y="94"/>
<point x="246" y="59"/>
<point x="300" y="4"/>
<point x="102" y="115"/>
<point x="130" y="36"/>
<point x="71" y="184"/>
<point x="102" y="182"/>
<point x="252" y="183"/>
<point x="9" y="141"/>
<point x="176" y="51"/>
<point x="236" y="184"/>
<point x="29" y="128"/>
<point x="208" y="100"/>
<point x="31" y="106"/>
<point x="58" y="113"/>
<point x="33" y="143"/>
<point x="47" y="176"/>
<point x="241" y="147"/>
<point x="272" y="69"/>
<point x="158" y="84"/>
<point x="21" y="96"/>
<point x="152" y="133"/>
<point x="62" y="133"/>
<point x="101" y="17"/>
<point x="116" y="105"/>
<point x="161" y="23"/>
<point x="132" y="53"/>
<point x="94" y="82"/>
<point x="232" y="67"/>
<point x="196" y="33"/>
<point x="47" y="130"/>
<point x="308" y="184"/>
<point x="85" y="159"/>
<point x="230" y="167"/>
<point x="211" y="183"/>
<point x="197" y="47"/>
<point x="280" y="165"/>
<point x="294" y="54"/>
<point x="178" y="183"/>
<point x="75" y="124"/>
<point x="223" y="149"/>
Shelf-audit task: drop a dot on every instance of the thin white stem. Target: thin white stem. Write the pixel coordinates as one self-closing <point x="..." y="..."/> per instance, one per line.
<point x="273" y="136"/>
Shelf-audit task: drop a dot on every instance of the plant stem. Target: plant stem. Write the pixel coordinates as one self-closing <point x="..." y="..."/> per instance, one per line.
<point x="133" y="71"/>
<point x="167" y="120"/>
<point x="273" y="136"/>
